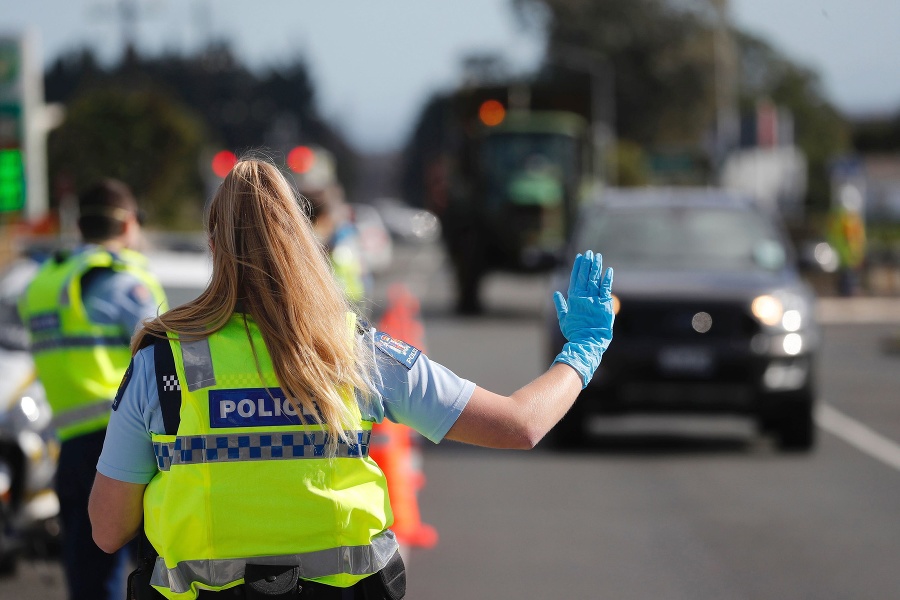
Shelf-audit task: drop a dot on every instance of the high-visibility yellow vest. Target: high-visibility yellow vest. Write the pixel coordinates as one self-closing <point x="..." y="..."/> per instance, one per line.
<point x="244" y="478"/>
<point x="80" y="363"/>
<point x="348" y="270"/>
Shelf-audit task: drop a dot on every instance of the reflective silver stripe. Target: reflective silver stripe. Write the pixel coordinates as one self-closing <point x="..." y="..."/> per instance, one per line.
<point x="198" y="365"/>
<point x="80" y="342"/>
<point x="243" y="447"/>
<point x="82" y="413"/>
<point x="354" y="560"/>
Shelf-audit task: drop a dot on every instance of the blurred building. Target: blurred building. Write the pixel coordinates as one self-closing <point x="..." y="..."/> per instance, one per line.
<point x="767" y="164"/>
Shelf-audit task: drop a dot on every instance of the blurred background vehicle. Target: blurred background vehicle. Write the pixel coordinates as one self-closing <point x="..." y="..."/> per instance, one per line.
<point x="28" y="448"/>
<point x="374" y="238"/>
<point x="509" y="174"/>
<point x="408" y="223"/>
<point x="713" y="316"/>
<point x="182" y="264"/>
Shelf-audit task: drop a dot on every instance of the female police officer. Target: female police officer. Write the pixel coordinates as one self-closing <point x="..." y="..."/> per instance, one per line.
<point x="239" y="435"/>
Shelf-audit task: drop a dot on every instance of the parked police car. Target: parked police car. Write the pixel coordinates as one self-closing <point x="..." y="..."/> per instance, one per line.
<point x="712" y="314"/>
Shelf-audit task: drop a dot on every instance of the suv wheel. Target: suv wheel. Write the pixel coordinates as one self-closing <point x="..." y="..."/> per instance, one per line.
<point x="793" y="425"/>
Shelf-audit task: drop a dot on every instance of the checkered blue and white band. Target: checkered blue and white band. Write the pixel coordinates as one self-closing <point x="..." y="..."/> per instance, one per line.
<point x="195" y="449"/>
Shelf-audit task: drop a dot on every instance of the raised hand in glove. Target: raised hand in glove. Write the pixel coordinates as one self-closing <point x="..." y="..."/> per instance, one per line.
<point x="586" y="316"/>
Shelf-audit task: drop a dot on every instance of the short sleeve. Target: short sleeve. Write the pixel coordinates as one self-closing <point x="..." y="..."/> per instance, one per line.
<point x="425" y="395"/>
<point x="128" y="449"/>
<point x="118" y="297"/>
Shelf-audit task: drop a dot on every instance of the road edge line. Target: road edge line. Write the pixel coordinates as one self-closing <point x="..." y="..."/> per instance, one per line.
<point x="858" y="435"/>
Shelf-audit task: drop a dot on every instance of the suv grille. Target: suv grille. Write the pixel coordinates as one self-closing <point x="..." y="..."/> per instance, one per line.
<point x="673" y="320"/>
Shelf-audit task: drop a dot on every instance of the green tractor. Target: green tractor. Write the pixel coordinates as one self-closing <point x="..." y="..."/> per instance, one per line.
<point x="517" y="191"/>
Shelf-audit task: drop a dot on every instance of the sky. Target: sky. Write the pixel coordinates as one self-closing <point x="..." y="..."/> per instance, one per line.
<point x="375" y="62"/>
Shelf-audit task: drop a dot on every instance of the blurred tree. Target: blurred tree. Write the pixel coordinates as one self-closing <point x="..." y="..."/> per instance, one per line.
<point x="631" y="165"/>
<point x="422" y="150"/>
<point x="240" y="110"/>
<point x="667" y="56"/>
<point x="141" y="137"/>
<point x="660" y="52"/>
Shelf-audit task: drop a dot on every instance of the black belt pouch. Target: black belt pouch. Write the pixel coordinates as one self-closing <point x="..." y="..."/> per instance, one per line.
<point x="389" y="583"/>
<point x="272" y="582"/>
<point x="139" y="587"/>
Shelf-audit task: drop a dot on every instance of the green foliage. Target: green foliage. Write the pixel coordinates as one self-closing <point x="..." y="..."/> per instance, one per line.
<point x="229" y="106"/>
<point x="141" y="137"/>
<point x="630" y="165"/>
<point x="676" y="62"/>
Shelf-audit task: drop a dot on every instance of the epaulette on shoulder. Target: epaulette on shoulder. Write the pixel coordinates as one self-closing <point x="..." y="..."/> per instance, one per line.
<point x="400" y="351"/>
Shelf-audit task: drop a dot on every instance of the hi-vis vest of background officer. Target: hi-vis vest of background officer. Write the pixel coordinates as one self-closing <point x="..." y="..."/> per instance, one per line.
<point x="80" y="363"/>
<point x="245" y="478"/>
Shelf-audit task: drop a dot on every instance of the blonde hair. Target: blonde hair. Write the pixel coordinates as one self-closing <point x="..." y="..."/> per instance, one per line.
<point x="266" y="257"/>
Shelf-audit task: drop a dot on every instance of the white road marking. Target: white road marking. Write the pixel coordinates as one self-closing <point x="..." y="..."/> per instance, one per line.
<point x="856" y="434"/>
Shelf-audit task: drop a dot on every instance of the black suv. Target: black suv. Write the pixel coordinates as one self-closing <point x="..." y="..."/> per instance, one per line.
<point x="712" y="314"/>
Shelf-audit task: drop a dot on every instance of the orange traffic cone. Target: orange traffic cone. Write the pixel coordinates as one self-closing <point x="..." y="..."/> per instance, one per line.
<point x="394" y="446"/>
<point x="401" y="319"/>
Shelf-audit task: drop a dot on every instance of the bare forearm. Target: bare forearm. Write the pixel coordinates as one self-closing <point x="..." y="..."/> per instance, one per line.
<point x="116" y="512"/>
<point x="545" y="400"/>
<point x="521" y="420"/>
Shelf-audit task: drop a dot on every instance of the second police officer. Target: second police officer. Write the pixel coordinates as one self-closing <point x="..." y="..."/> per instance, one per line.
<point x="81" y="309"/>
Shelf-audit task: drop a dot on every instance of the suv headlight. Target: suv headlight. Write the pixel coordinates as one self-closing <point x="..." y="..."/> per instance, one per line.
<point x="767" y="309"/>
<point x="781" y="310"/>
<point x="785" y="317"/>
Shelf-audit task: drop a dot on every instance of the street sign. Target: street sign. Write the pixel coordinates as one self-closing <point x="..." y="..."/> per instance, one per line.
<point x="12" y="180"/>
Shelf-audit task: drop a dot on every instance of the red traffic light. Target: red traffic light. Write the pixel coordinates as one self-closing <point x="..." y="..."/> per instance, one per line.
<point x="301" y="159"/>
<point x="223" y="162"/>
<point x="491" y="112"/>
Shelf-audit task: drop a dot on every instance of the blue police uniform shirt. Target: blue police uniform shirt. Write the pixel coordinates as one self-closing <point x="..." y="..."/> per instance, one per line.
<point x="117" y="298"/>
<point x="408" y="388"/>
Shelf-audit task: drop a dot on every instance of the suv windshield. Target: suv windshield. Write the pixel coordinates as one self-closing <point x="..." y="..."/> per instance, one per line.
<point x="683" y="238"/>
<point x="529" y="168"/>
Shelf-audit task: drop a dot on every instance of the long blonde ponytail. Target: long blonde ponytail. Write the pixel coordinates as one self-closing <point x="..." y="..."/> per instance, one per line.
<point x="266" y="260"/>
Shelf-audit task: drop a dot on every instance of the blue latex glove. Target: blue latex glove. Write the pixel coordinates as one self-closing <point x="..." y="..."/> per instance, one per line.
<point x="586" y="317"/>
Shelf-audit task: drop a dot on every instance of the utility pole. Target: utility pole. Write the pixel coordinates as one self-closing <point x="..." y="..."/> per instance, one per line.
<point x="725" y="73"/>
<point x="603" y="99"/>
<point x="128" y="14"/>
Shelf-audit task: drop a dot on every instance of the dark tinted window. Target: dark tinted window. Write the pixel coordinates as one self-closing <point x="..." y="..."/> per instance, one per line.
<point x="684" y="238"/>
<point x="539" y="160"/>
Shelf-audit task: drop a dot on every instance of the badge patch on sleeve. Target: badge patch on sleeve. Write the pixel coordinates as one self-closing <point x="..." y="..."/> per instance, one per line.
<point x="139" y="294"/>
<point x="399" y="350"/>
<point x="124" y="384"/>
